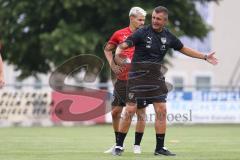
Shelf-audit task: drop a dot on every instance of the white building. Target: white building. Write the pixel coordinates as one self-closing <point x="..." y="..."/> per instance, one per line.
<point x="224" y="40"/>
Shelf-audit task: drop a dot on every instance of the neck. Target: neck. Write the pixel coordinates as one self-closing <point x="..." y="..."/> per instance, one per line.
<point x="132" y="28"/>
<point x="158" y="30"/>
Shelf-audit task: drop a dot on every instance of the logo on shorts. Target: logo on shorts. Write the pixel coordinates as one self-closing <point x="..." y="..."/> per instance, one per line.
<point x="144" y="103"/>
<point x="130" y="95"/>
<point x="113" y="96"/>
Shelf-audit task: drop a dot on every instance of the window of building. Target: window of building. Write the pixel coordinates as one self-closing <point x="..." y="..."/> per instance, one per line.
<point x="203" y="82"/>
<point x="178" y="83"/>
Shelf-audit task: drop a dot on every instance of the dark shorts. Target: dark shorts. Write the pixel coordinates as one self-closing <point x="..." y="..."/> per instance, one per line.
<point x="147" y="83"/>
<point x="119" y="95"/>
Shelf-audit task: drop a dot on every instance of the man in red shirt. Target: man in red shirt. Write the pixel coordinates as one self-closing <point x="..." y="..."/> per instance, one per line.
<point x="137" y="19"/>
<point x="1" y="69"/>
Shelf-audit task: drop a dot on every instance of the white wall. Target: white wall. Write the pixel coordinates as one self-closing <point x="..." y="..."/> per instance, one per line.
<point x="224" y="40"/>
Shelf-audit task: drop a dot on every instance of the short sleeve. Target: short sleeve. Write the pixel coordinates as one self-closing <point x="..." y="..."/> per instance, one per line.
<point x="176" y="44"/>
<point x="135" y="38"/>
<point x="114" y="39"/>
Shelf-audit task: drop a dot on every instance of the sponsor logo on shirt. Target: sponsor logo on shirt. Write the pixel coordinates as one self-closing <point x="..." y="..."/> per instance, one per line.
<point x="149" y="42"/>
<point x="164" y="41"/>
<point x="125" y="37"/>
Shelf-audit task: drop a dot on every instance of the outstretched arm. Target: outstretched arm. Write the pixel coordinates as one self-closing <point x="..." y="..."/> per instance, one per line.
<point x="196" y="54"/>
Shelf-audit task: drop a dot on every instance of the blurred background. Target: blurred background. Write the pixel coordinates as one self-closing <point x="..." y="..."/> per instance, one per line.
<point x="38" y="36"/>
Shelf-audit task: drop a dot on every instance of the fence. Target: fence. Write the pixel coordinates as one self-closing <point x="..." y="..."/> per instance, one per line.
<point x="30" y="106"/>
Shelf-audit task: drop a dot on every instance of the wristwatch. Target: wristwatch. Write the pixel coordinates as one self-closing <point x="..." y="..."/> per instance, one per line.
<point x="205" y="57"/>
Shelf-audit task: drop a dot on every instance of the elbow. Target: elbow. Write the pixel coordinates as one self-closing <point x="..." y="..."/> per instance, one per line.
<point x="183" y="49"/>
<point x="105" y="52"/>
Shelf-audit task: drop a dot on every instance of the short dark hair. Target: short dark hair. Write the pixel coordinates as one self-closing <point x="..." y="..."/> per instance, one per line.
<point x="160" y="9"/>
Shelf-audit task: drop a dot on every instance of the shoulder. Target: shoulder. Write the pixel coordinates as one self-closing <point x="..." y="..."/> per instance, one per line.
<point x="145" y="29"/>
<point x="168" y="32"/>
<point x="120" y="31"/>
<point x="142" y="31"/>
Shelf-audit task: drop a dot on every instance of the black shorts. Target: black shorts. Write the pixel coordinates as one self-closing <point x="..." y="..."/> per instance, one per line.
<point x="119" y="95"/>
<point x="146" y="82"/>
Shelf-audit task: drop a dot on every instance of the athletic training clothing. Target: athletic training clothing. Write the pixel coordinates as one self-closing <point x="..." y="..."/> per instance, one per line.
<point x="145" y="78"/>
<point x="120" y="86"/>
<point x="117" y="38"/>
<point x="119" y="95"/>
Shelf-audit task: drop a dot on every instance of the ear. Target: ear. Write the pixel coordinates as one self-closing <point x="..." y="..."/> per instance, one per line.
<point x="166" y="20"/>
<point x="131" y="18"/>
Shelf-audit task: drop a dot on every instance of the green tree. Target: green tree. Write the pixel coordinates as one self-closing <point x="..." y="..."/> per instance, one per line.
<point x="40" y="34"/>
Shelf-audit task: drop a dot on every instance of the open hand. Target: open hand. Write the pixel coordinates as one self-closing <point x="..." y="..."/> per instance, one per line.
<point x="212" y="59"/>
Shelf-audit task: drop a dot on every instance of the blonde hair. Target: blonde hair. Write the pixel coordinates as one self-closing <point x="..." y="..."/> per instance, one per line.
<point x="134" y="11"/>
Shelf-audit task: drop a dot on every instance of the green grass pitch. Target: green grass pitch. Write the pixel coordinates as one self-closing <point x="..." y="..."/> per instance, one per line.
<point x="197" y="142"/>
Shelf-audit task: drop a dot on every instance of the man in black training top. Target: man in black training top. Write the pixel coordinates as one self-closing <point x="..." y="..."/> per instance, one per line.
<point x="145" y="79"/>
